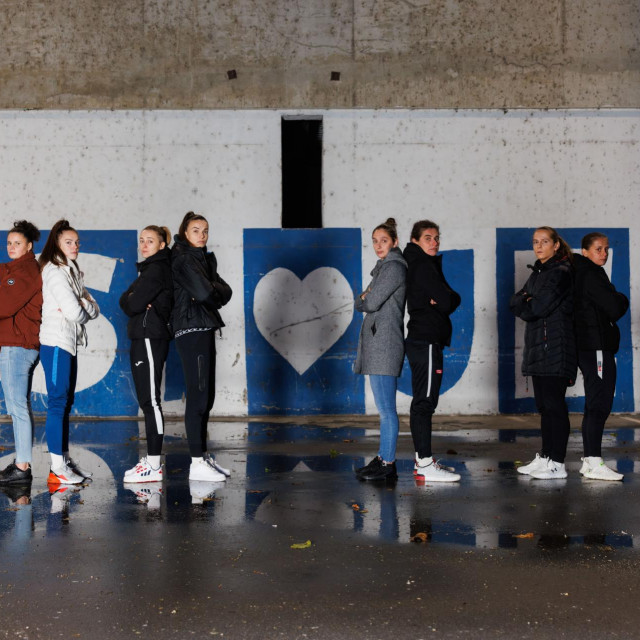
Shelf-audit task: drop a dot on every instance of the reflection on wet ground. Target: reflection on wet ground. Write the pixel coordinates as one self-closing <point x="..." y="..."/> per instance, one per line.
<point x="299" y="479"/>
<point x="293" y="546"/>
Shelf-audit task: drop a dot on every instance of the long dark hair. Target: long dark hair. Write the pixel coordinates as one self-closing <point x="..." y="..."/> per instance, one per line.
<point x="564" y="250"/>
<point x="189" y="217"/>
<point x="52" y="251"/>
<point x="27" y="229"/>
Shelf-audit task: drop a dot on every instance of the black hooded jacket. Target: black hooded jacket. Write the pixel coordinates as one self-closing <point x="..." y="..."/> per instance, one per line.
<point x="425" y="282"/>
<point x="545" y="303"/>
<point x="152" y="287"/>
<point x="198" y="290"/>
<point x="598" y="306"/>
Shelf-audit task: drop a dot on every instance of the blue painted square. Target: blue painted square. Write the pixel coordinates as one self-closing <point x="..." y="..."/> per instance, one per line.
<point x="282" y="381"/>
<point x="508" y="241"/>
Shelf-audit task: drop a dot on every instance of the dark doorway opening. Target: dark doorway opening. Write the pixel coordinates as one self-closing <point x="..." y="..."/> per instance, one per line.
<point x="301" y="172"/>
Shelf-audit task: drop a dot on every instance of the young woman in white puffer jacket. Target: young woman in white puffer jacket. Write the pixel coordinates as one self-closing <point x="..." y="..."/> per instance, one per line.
<point x="67" y="306"/>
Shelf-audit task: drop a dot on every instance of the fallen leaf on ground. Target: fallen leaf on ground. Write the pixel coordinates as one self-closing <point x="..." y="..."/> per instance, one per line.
<point x="419" y="537"/>
<point x="301" y="545"/>
<point x="524" y="535"/>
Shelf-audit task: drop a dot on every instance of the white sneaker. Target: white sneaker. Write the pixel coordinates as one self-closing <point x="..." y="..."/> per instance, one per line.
<point x="64" y="475"/>
<point x="552" y="471"/>
<point x="219" y="468"/>
<point x="205" y="471"/>
<point x="143" y="472"/>
<point x="537" y="464"/>
<point x="149" y="495"/>
<point x="429" y="470"/>
<point x="201" y="491"/>
<point x="585" y="465"/>
<point x="76" y="468"/>
<point x="598" y="470"/>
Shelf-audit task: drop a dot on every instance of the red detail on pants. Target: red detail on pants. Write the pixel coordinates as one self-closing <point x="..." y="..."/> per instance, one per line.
<point x="439" y="371"/>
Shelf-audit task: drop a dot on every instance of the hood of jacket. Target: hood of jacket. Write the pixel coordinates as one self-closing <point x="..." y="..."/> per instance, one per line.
<point x="181" y="247"/>
<point x="413" y="253"/>
<point x="395" y="255"/>
<point x="552" y="262"/>
<point x="582" y="264"/>
<point x="164" y="255"/>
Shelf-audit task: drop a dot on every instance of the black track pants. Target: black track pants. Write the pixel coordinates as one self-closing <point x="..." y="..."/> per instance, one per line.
<point x="197" y="351"/>
<point x="599" y="373"/>
<point x="426" y="362"/>
<point x="549" y="393"/>
<point x="147" y="363"/>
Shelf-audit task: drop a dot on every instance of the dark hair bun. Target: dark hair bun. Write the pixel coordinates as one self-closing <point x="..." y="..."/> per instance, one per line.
<point x="27" y="229"/>
<point x="391" y="222"/>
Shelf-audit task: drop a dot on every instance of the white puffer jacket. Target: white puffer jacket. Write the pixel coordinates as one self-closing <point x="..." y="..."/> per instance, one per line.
<point x="66" y="307"/>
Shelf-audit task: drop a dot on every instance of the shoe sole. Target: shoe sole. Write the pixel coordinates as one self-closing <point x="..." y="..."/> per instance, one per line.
<point x="54" y="479"/>
<point x="603" y="479"/>
<point x="422" y="479"/>
<point x="130" y="480"/>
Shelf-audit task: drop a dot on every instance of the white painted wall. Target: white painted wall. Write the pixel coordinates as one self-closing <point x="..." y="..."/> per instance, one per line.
<point x="471" y="171"/>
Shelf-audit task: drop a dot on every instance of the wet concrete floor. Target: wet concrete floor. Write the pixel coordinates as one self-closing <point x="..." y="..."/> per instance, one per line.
<point x="498" y="555"/>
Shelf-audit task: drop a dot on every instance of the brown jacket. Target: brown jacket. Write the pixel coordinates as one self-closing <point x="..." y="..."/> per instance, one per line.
<point x="20" y="302"/>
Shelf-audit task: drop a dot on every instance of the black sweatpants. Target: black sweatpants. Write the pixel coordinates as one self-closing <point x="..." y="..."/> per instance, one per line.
<point x="599" y="373"/>
<point x="197" y="351"/>
<point x="549" y="392"/>
<point x="147" y="363"/>
<point x="426" y="362"/>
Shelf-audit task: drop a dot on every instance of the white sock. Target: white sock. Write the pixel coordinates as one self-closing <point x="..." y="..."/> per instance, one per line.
<point x="196" y="460"/>
<point x="57" y="461"/>
<point x="154" y="461"/>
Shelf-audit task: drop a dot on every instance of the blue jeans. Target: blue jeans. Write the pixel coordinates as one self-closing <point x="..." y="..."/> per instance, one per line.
<point x="384" y="393"/>
<point x="60" y="371"/>
<point x="16" y="369"/>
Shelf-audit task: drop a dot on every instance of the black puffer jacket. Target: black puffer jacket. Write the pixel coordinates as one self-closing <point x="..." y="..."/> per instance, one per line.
<point x="153" y="287"/>
<point x="598" y="306"/>
<point x="426" y="282"/>
<point x="545" y="303"/>
<point x="198" y="290"/>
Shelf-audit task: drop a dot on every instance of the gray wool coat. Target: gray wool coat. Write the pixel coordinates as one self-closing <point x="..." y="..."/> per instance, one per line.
<point x="381" y="343"/>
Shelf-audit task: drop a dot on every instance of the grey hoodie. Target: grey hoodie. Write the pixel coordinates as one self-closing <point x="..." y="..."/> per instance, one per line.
<point x="381" y="343"/>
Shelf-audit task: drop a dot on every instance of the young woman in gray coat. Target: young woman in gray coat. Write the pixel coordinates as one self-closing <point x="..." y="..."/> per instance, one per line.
<point x="381" y="345"/>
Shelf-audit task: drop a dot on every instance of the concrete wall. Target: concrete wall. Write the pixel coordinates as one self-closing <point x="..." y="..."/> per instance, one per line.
<point x="175" y="54"/>
<point x="486" y="176"/>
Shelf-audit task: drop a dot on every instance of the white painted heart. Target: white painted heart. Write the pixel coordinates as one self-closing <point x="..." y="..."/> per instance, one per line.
<point x="303" y="319"/>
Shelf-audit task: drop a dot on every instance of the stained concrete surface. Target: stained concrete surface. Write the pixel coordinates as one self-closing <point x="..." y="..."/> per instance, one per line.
<point x="164" y="54"/>
<point x="500" y="555"/>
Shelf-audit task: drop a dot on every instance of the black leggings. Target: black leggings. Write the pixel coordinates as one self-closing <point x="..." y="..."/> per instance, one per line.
<point x="147" y="363"/>
<point x="599" y="373"/>
<point x="426" y="361"/>
<point x="549" y="392"/>
<point x="197" y="351"/>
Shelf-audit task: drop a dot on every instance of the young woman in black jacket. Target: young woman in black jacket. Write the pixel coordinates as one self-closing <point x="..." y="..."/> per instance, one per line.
<point x="545" y="303"/>
<point x="430" y="302"/>
<point x="598" y="306"/>
<point x="148" y="303"/>
<point x="198" y="294"/>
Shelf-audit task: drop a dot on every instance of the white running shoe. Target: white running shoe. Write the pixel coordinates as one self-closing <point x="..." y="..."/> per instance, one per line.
<point x="553" y="471"/>
<point x="76" y="468"/>
<point x="143" y="472"/>
<point x="64" y="475"/>
<point x="585" y="465"/>
<point x="149" y="495"/>
<point x="216" y="466"/>
<point x="537" y="464"/>
<point x="429" y="470"/>
<point x="205" y="471"/>
<point x="598" y="470"/>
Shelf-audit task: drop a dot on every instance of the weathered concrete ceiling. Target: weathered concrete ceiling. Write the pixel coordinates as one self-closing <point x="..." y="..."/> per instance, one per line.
<point x="170" y="54"/>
